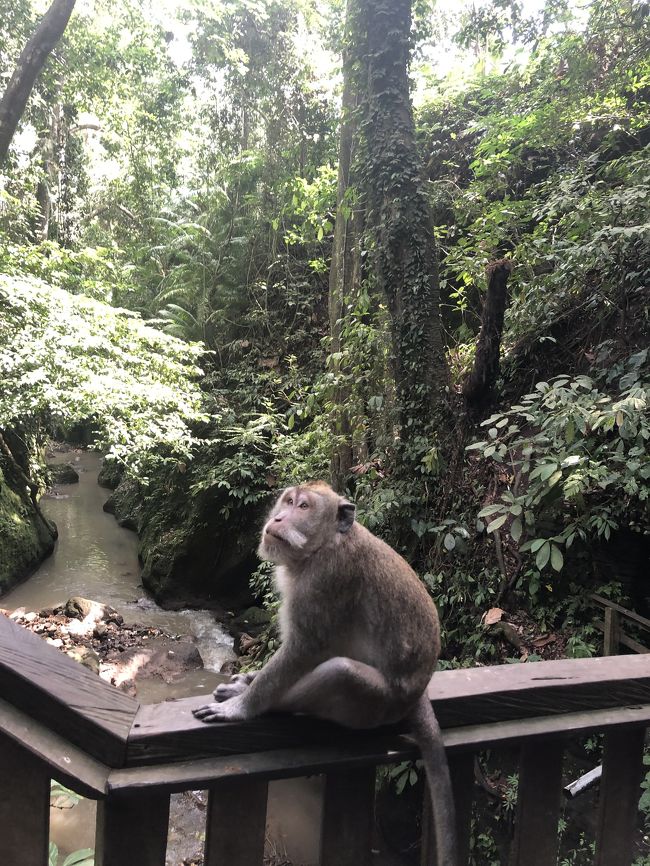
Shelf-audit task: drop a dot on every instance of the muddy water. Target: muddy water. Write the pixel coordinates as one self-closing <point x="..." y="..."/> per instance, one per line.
<point x="96" y="558"/>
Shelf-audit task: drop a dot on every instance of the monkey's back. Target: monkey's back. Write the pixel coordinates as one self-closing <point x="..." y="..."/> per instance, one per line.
<point x="398" y="616"/>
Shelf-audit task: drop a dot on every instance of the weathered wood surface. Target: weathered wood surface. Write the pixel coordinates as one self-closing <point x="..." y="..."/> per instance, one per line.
<point x="619" y="797"/>
<point x="64" y="695"/>
<point x="538" y="804"/>
<point x="348" y="817"/>
<point x="623" y="639"/>
<point x="612" y="632"/>
<point x="236" y="823"/>
<point x="461" y="769"/>
<point x="132" y="831"/>
<point x="169" y="732"/>
<point x="377" y="748"/>
<point x="24" y="807"/>
<point x="64" y="762"/>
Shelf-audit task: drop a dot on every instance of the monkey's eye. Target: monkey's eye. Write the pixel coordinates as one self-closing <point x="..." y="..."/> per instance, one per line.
<point x="303" y="505"/>
<point x="289" y="501"/>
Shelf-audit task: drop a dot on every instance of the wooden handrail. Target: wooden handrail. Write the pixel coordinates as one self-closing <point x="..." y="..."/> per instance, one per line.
<point x="614" y="636"/>
<point x="66" y="723"/>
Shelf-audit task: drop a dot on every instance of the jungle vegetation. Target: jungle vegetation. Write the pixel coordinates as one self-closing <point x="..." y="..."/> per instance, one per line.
<point x="402" y="246"/>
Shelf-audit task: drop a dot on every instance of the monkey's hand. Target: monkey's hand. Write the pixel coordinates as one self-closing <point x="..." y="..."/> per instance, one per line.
<point x="233" y="710"/>
<point x="237" y="685"/>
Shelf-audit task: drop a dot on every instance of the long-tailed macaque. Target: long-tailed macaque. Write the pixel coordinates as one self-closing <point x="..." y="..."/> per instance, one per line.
<point x="360" y="636"/>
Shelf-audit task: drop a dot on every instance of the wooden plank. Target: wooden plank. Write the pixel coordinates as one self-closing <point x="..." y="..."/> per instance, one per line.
<point x="64" y="695"/>
<point x="629" y="642"/>
<point x="619" y="797"/>
<point x="538" y="804"/>
<point x="236" y="824"/>
<point x="348" y="817"/>
<point x="169" y="732"/>
<point x="132" y="830"/>
<point x="24" y="806"/>
<point x="632" y="644"/>
<point x="628" y="614"/>
<point x="461" y="769"/>
<point x="376" y="749"/>
<point x="65" y="762"/>
<point x="612" y="631"/>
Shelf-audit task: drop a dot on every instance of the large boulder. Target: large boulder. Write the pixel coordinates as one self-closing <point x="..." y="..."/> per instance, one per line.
<point x="191" y="553"/>
<point x="62" y="473"/>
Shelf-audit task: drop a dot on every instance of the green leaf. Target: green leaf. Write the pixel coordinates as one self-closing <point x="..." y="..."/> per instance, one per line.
<point x="516" y="529"/>
<point x="557" y="560"/>
<point x="492" y="527"/>
<point x="490" y="509"/>
<point x="543" y="555"/>
<point x="449" y="541"/>
<point x="569" y="431"/>
<point x="83" y="857"/>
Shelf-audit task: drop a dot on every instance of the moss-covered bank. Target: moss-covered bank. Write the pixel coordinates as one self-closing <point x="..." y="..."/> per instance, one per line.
<point x="191" y="552"/>
<point x="25" y="539"/>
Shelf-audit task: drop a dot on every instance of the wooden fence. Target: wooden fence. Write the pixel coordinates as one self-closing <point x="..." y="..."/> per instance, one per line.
<point x="60" y="721"/>
<point x="614" y="637"/>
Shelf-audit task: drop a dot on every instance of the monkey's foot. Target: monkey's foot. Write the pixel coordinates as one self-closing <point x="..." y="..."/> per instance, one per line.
<point x="238" y="684"/>
<point x="227" y="711"/>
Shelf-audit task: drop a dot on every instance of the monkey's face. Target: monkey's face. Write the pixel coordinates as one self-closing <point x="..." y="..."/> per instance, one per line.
<point x="303" y="520"/>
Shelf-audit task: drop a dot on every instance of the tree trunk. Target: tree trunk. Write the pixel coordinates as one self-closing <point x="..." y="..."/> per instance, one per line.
<point x="405" y="254"/>
<point x="478" y="388"/>
<point x="30" y="63"/>
<point x="345" y="268"/>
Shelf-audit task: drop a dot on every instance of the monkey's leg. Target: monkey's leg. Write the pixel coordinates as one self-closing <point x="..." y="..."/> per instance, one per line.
<point x="346" y="691"/>
<point x="238" y="683"/>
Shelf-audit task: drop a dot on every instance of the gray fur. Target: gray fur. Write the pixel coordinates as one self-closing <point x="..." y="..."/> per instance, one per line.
<point x="360" y="636"/>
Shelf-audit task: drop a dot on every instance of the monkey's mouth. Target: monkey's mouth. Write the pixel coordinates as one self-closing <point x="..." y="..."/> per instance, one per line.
<point x="276" y="536"/>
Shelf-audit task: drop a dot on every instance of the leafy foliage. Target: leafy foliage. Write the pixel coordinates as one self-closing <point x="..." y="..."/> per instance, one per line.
<point x="579" y="460"/>
<point x="67" y="359"/>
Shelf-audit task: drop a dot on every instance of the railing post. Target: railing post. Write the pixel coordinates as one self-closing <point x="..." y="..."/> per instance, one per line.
<point x="24" y="806"/>
<point x="348" y="817"/>
<point x="619" y="796"/>
<point x="612" y="632"/>
<point x="132" y="828"/>
<point x="538" y="804"/>
<point x="461" y="769"/>
<point x="236" y="824"/>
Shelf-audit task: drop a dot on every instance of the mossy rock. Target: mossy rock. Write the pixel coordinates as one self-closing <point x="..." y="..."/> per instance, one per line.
<point x="62" y="473"/>
<point x="110" y="474"/>
<point x="125" y="504"/>
<point x="26" y="540"/>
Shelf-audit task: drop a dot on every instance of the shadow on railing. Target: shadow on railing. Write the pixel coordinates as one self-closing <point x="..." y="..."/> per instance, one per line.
<point x="58" y="720"/>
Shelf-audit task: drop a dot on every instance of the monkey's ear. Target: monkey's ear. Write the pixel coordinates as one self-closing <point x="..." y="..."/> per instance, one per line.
<point x="345" y="515"/>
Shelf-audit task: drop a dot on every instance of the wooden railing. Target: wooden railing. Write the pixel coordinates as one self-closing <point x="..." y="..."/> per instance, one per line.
<point x="612" y="627"/>
<point x="58" y="720"/>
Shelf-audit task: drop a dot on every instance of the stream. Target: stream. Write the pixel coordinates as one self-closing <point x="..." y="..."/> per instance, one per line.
<point x="96" y="558"/>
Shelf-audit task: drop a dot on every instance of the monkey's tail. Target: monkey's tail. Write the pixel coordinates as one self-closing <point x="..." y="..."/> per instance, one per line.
<point x="429" y="738"/>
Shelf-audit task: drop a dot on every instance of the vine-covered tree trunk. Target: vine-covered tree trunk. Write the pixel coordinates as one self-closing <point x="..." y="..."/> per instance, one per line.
<point x="478" y="388"/>
<point x="398" y="211"/>
<point x="345" y="268"/>
<point x="31" y="61"/>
